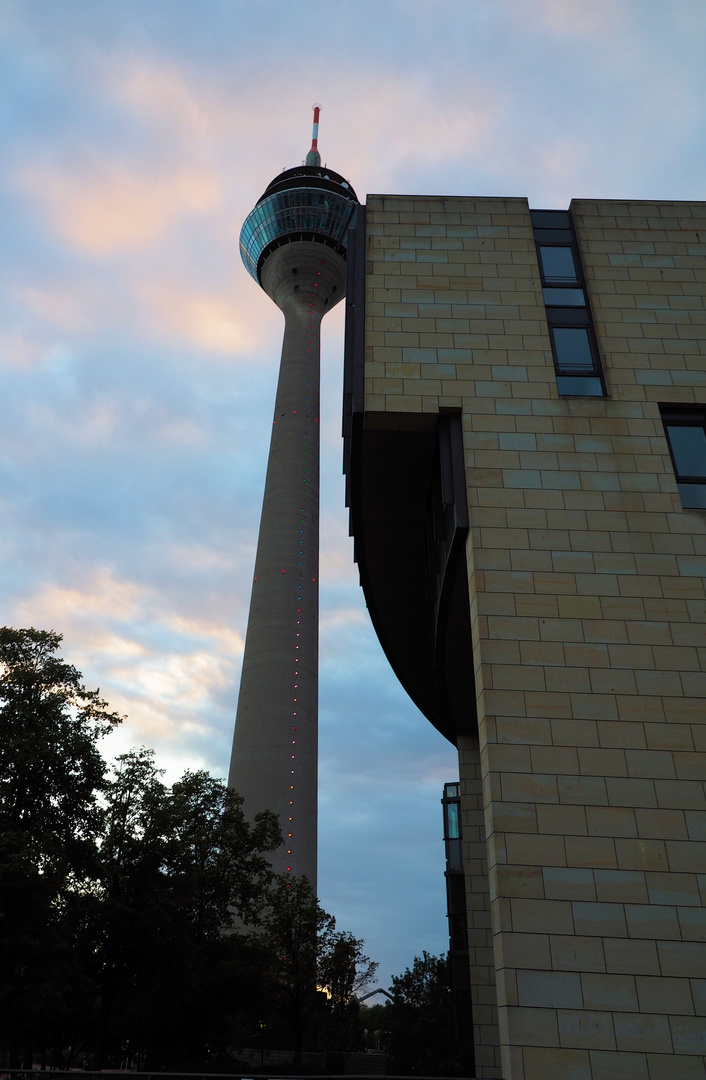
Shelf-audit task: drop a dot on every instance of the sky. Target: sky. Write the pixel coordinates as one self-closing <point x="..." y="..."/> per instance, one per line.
<point x="138" y="361"/>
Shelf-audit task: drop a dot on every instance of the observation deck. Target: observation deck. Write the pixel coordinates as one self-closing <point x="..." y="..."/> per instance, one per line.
<point x="309" y="202"/>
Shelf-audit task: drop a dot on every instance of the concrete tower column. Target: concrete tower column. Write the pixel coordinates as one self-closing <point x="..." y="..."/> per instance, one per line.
<point x="294" y="244"/>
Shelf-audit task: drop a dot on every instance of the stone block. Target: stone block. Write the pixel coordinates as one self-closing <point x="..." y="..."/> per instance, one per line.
<point x="592" y="851"/>
<point x="632" y="957"/>
<point x="586" y="1028"/>
<point x="549" y="1063"/>
<point x="575" y="953"/>
<point x="621" y="886"/>
<point x="675" y="1067"/>
<point x="614" y="993"/>
<point x="532" y="1027"/>
<point x="670" y="888"/>
<point x="568" y="883"/>
<point x="550" y="989"/>
<point x="652" y="921"/>
<point x="656" y="994"/>
<point x="561" y="819"/>
<point x="644" y="1032"/>
<point x="612" y="1065"/>
<point x="531" y="916"/>
<point x="599" y="919"/>
<point x="683" y="959"/>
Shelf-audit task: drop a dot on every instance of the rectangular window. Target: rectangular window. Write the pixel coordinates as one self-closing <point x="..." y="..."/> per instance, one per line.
<point x="558" y="266"/>
<point x="572" y="350"/>
<point x="686" y="435"/>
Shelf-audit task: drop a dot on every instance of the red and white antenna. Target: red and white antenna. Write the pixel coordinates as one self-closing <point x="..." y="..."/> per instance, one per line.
<point x="315" y="130"/>
<point x="313" y="157"/>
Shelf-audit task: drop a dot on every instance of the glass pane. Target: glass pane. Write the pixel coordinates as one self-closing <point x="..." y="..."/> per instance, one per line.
<point x="558" y="264"/>
<point x="688" y="444"/>
<point x="295" y="210"/>
<point x="573" y="350"/>
<point x="550" y="219"/>
<point x="564" y="297"/>
<point x="454" y="854"/>
<point x="452" y="823"/>
<point x="693" y="496"/>
<point x="573" y="386"/>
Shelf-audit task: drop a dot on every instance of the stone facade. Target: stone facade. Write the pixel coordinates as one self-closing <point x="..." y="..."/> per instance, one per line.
<point x="584" y="796"/>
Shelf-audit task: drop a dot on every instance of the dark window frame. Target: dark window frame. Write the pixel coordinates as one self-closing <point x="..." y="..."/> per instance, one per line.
<point x="692" y="416"/>
<point x="550" y="283"/>
<point x="566" y="372"/>
<point x="555" y="229"/>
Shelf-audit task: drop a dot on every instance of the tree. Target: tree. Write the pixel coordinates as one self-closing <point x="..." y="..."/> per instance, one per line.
<point x="50" y="774"/>
<point x="176" y="864"/>
<point x="114" y="888"/>
<point x="316" y="970"/>
<point x="420" y="1019"/>
<point x="50" y="766"/>
<point x="345" y="971"/>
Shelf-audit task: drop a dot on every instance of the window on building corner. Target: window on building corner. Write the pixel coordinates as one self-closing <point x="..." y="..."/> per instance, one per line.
<point x="686" y="435"/>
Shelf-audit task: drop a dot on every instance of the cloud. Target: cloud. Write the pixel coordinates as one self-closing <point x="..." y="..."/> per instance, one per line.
<point x="103" y="209"/>
<point x="64" y="308"/>
<point x="19" y="350"/>
<point x="155" y="90"/>
<point x="163" y="670"/>
<point x="574" y="18"/>
<point x="220" y="322"/>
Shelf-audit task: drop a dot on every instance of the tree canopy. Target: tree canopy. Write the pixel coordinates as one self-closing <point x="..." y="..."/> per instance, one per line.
<point x="118" y="895"/>
<point x="316" y="968"/>
<point x="417" y="1025"/>
<point x="50" y="767"/>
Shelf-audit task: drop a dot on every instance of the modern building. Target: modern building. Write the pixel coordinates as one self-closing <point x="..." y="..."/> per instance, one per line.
<point x="525" y="441"/>
<point x="294" y="245"/>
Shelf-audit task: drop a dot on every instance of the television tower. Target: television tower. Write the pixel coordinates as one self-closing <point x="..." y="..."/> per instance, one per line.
<point x="294" y="244"/>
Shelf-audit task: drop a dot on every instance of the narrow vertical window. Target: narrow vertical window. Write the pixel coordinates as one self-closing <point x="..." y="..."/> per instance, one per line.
<point x="576" y="362"/>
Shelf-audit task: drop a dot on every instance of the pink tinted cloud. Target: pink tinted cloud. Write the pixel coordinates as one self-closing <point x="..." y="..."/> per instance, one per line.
<point x="219" y="321"/>
<point x="166" y="696"/>
<point x="572" y="18"/>
<point x="104" y="208"/>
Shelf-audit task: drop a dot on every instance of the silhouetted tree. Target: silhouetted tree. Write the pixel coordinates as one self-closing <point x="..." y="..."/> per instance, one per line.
<point x="344" y="972"/>
<point x="421" y="1038"/>
<point x="176" y="864"/>
<point x="117" y="893"/>
<point x="315" y="969"/>
<point x="50" y="775"/>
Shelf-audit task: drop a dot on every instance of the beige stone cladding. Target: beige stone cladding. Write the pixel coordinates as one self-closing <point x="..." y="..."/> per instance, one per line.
<point x="589" y="621"/>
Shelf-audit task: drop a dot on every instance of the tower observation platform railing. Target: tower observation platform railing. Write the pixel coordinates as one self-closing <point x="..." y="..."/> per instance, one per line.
<point x="307" y="203"/>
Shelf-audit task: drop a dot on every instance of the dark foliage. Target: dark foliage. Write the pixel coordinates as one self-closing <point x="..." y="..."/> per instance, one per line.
<point x="316" y="971"/>
<point x="420" y="1021"/>
<point x="117" y="894"/>
<point x="50" y="775"/>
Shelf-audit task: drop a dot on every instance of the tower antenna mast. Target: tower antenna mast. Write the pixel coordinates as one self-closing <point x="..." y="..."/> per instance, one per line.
<point x="314" y="157"/>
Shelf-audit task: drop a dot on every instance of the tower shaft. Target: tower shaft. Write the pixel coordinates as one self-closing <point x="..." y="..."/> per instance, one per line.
<point x="275" y="745"/>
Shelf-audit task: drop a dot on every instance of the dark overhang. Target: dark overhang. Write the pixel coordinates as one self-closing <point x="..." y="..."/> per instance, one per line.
<point x="405" y="486"/>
